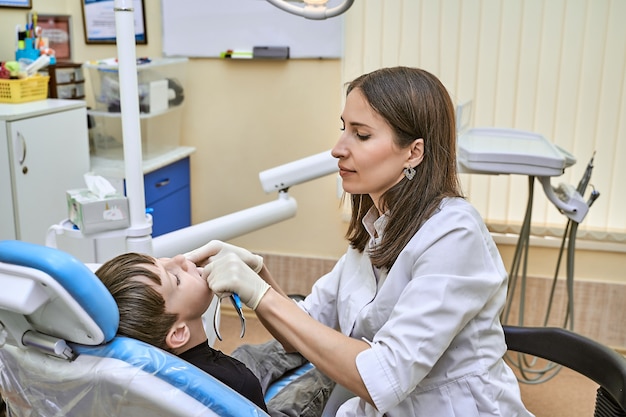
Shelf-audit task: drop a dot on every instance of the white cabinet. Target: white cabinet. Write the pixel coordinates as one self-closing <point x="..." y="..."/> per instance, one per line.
<point x="44" y="151"/>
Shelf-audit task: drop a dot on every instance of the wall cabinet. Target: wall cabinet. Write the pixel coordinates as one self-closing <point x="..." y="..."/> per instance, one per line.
<point x="44" y="151"/>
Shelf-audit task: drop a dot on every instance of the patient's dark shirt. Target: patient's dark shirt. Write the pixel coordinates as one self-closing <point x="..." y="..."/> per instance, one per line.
<point x="228" y="370"/>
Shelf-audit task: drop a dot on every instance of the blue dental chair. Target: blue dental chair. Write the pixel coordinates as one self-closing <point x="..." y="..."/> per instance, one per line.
<point x="60" y="356"/>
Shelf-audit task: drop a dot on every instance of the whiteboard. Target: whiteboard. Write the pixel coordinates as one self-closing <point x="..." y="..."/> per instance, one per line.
<point x="207" y="28"/>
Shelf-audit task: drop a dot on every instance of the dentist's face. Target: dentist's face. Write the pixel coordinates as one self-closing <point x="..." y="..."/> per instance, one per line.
<point x="370" y="162"/>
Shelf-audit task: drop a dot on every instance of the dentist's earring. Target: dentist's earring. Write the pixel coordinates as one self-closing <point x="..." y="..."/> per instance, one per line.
<point x="409" y="173"/>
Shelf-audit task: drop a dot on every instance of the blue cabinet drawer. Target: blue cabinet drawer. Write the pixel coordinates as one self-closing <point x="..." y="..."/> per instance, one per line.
<point x="168" y="199"/>
<point x="165" y="181"/>
<point x="171" y="213"/>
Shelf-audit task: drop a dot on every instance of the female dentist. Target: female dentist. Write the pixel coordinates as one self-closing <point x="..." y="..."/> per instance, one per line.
<point x="408" y="319"/>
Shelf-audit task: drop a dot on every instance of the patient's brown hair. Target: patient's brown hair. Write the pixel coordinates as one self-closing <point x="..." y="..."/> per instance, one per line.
<point x="141" y="307"/>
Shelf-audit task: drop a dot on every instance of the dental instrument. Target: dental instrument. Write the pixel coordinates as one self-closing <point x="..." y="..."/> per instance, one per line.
<point x="236" y="302"/>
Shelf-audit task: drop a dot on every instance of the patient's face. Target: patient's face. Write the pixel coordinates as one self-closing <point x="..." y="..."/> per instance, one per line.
<point x="184" y="290"/>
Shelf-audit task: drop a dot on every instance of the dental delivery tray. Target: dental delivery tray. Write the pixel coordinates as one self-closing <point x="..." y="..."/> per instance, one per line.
<point x="510" y="151"/>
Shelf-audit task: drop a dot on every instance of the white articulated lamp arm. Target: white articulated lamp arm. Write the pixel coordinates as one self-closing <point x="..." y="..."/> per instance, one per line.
<point x="279" y="179"/>
<point x="224" y="228"/>
<point x="302" y="170"/>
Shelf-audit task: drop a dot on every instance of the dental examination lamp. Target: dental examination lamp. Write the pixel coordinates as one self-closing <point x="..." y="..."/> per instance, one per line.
<point x="313" y="9"/>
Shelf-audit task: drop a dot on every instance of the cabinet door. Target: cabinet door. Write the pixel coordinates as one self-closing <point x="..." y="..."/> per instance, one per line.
<point x="171" y="213"/>
<point x="168" y="197"/>
<point x="7" y="225"/>
<point x="49" y="155"/>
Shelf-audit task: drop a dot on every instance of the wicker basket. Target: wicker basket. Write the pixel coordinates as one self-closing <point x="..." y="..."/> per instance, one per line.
<point x="27" y="89"/>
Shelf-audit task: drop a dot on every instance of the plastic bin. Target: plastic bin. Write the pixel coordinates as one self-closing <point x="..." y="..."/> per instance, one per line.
<point x="68" y="91"/>
<point x="161" y="98"/>
<point x="159" y="134"/>
<point x="69" y="74"/>
<point x="24" y="90"/>
<point x="161" y="84"/>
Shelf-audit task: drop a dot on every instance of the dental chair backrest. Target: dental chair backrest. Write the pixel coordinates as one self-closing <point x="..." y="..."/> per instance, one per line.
<point x="60" y="356"/>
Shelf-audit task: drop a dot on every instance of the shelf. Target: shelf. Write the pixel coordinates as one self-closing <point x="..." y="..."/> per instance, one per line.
<point x="102" y="113"/>
<point x="71" y="83"/>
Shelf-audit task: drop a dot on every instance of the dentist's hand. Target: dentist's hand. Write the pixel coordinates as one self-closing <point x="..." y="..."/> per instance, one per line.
<point x="201" y="256"/>
<point x="229" y="274"/>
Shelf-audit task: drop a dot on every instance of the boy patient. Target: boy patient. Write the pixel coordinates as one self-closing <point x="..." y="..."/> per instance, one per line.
<point x="161" y="302"/>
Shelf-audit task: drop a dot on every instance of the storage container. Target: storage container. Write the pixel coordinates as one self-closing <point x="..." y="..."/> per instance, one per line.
<point x="161" y="98"/>
<point x="24" y="90"/>
<point x="68" y="74"/>
<point x="161" y="84"/>
<point x="159" y="133"/>
<point x="67" y="80"/>
<point x="70" y="91"/>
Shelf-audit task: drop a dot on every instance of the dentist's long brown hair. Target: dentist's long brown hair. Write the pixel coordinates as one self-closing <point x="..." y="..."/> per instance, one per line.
<point x="416" y="105"/>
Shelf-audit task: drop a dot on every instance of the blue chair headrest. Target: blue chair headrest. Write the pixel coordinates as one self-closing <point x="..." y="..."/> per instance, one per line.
<point x="74" y="276"/>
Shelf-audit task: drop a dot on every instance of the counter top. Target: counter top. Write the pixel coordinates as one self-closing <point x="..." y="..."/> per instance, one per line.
<point x="114" y="168"/>
<point x="11" y="111"/>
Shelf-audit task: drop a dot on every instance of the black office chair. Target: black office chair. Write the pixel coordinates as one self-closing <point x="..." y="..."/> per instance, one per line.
<point x="589" y="358"/>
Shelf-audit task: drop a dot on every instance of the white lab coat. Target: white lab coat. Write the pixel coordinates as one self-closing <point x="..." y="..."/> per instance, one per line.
<point x="432" y="322"/>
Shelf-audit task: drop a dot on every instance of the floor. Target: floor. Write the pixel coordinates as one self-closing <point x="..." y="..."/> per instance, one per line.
<point x="566" y="395"/>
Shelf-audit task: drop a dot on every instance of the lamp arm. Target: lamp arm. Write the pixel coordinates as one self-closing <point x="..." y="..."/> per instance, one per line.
<point x="245" y="221"/>
<point x="296" y="172"/>
<point x="225" y="227"/>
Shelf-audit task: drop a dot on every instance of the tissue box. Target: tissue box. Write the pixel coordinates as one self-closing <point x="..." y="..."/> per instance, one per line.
<point x="92" y="214"/>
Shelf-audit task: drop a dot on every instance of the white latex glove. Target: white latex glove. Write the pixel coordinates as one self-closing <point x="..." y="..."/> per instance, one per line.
<point x="201" y="256"/>
<point x="229" y="274"/>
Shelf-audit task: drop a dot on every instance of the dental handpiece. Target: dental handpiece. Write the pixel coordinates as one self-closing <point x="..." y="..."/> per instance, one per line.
<point x="584" y="181"/>
<point x="593" y="197"/>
